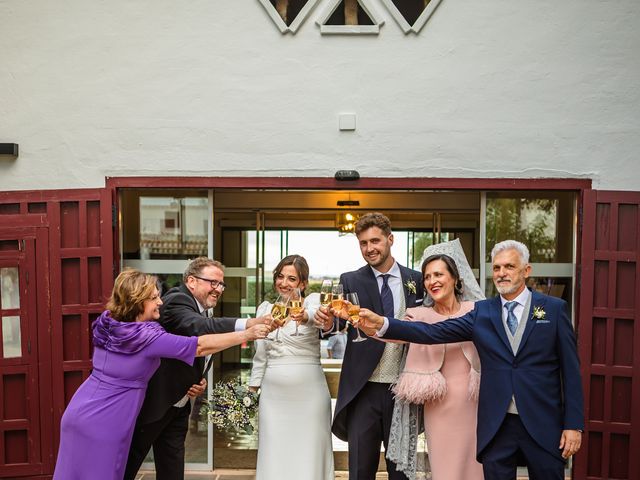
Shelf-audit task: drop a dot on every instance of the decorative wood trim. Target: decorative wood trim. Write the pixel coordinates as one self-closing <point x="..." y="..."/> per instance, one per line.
<point x="329" y="183"/>
<point x="599" y="241"/>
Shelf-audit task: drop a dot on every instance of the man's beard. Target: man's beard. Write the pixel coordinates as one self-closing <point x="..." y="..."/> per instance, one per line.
<point x="381" y="259"/>
<point x="209" y="302"/>
<point x="506" y="289"/>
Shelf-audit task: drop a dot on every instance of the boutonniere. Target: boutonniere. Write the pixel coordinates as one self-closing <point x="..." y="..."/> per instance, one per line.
<point x="411" y="286"/>
<point x="539" y="313"/>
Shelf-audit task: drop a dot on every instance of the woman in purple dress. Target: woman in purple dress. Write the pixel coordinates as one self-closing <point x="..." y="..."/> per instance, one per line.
<point x="98" y="423"/>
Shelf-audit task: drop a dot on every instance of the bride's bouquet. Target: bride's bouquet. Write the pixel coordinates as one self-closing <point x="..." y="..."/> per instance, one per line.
<point x="231" y="406"/>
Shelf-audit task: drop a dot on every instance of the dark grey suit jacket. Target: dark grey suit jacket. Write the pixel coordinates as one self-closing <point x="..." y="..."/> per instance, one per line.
<point x="179" y="315"/>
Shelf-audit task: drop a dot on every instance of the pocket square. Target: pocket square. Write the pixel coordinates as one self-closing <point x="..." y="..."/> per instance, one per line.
<point x="543" y="321"/>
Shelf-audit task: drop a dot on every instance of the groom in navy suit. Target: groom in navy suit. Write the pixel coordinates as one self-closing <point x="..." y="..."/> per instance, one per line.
<point x="531" y="406"/>
<point x="364" y="407"/>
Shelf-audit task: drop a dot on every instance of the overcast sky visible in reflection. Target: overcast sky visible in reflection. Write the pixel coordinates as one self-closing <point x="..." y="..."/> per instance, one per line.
<point x="328" y="254"/>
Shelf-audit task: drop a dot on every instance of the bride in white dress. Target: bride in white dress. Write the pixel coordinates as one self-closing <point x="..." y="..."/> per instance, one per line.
<point x="294" y="427"/>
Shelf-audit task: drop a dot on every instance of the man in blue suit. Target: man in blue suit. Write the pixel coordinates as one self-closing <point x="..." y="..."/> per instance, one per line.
<point x="531" y="405"/>
<point x="364" y="407"/>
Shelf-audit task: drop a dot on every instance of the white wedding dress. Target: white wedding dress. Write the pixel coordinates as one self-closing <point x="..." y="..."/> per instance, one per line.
<point x="294" y="426"/>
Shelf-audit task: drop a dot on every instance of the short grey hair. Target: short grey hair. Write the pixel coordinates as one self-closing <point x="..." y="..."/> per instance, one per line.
<point x="521" y="248"/>
<point x="196" y="266"/>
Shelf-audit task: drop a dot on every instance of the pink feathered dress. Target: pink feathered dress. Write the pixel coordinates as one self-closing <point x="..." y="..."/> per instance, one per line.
<point x="446" y="379"/>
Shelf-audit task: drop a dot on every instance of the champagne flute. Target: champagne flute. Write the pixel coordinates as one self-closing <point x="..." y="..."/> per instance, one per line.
<point x="326" y="295"/>
<point x="337" y="301"/>
<point x="279" y="313"/>
<point x="295" y="307"/>
<point x="354" y="314"/>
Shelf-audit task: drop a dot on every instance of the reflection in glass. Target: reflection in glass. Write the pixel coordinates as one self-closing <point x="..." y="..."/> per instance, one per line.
<point x="10" y="296"/>
<point x="532" y="221"/>
<point x="173" y="227"/>
<point x="544" y="221"/>
<point x="418" y="243"/>
<point x="11" y="338"/>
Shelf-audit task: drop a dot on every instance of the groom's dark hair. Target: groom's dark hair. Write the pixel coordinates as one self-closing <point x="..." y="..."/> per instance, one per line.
<point x="373" y="219"/>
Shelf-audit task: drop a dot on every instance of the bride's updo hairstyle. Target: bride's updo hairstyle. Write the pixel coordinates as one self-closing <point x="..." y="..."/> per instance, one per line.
<point x="130" y="290"/>
<point x="458" y="288"/>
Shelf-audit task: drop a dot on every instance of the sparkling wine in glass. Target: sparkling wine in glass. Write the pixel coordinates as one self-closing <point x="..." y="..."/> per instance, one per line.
<point x="279" y="313"/>
<point x="295" y="307"/>
<point x="337" y="302"/>
<point x="337" y="297"/>
<point x="326" y="295"/>
<point x="353" y="310"/>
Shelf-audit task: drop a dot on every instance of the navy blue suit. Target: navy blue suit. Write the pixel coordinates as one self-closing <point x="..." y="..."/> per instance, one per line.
<point x="360" y="360"/>
<point x="544" y="374"/>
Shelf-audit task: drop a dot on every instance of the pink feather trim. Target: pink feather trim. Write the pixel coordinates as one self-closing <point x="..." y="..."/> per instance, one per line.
<point x="420" y="387"/>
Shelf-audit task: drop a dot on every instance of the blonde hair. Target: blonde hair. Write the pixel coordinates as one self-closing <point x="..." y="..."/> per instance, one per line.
<point x="130" y="290"/>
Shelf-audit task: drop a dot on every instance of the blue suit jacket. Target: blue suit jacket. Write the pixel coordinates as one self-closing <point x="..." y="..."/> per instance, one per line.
<point x="544" y="375"/>
<point x="361" y="359"/>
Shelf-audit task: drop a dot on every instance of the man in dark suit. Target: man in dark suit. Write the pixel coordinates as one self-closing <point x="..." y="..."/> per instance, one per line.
<point x="365" y="402"/>
<point x="164" y="418"/>
<point x="531" y="405"/>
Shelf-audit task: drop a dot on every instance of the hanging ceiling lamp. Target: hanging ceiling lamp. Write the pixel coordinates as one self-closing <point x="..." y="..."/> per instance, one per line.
<point x="346" y="222"/>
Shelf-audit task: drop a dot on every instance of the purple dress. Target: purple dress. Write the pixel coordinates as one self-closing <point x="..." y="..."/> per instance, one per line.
<point x="98" y="423"/>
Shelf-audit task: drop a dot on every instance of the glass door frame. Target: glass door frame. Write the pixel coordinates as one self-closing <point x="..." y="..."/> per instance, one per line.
<point x="477" y="185"/>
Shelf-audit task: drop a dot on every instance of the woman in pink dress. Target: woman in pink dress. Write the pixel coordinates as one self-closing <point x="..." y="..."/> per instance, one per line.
<point x="97" y="425"/>
<point x="444" y="378"/>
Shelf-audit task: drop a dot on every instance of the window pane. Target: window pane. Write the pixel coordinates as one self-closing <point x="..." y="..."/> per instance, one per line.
<point x="172" y="228"/>
<point x="10" y="297"/>
<point x="11" y="343"/>
<point x="542" y="221"/>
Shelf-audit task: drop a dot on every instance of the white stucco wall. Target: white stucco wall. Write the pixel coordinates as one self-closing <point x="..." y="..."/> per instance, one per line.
<point x="496" y="88"/>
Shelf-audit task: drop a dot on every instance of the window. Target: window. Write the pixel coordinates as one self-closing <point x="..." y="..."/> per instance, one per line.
<point x="545" y="223"/>
<point x="411" y="15"/>
<point x="288" y="15"/>
<point x="350" y="17"/>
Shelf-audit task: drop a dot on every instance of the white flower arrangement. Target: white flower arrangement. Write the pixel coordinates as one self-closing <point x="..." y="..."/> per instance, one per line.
<point x="539" y="313"/>
<point x="411" y="286"/>
<point x="231" y="406"/>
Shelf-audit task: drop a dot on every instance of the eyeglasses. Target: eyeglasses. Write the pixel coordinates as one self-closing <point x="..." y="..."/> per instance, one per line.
<point x="214" y="283"/>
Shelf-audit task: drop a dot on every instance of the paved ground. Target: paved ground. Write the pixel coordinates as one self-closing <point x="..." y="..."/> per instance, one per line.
<point x="236" y="475"/>
<point x="250" y="475"/>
